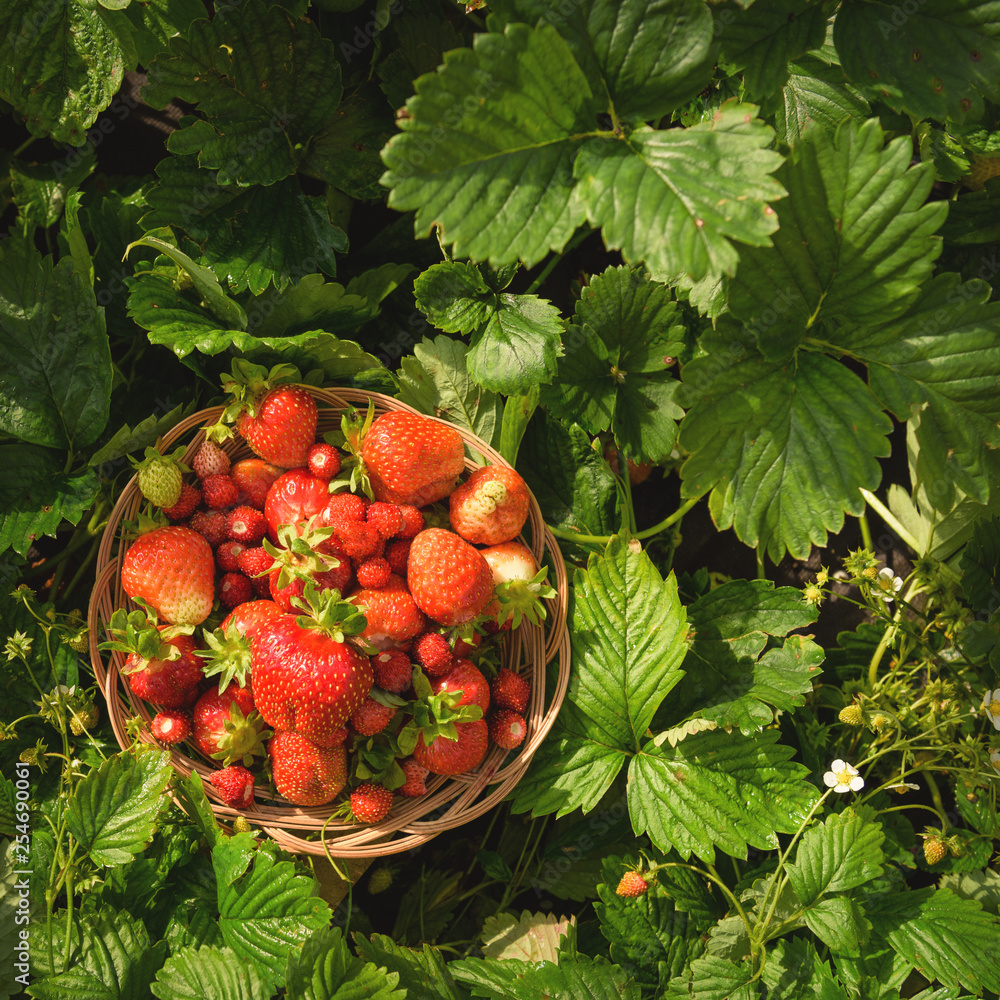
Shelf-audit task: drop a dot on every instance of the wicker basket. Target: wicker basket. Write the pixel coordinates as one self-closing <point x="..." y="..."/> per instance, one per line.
<point x="449" y="802"/>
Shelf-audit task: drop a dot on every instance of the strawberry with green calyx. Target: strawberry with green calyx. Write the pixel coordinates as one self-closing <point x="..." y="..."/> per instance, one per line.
<point x="491" y="506"/>
<point x="227" y="655"/>
<point x="297" y="560"/>
<point x="294" y="498"/>
<point x="306" y="774"/>
<point x="454" y="756"/>
<point x="173" y="569"/>
<point x="306" y="676"/>
<point x="449" y="579"/>
<point x="226" y="727"/>
<point x="411" y="459"/>
<point x="161" y="666"/>
<point x="276" y="419"/>
<point x="632" y="884"/>
<point x="353" y="474"/>
<point x="234" y="785"/>
<point x="250" y="618"/>
<point x="519" y="585"/>
<point x="160" y="477"/>
<point x="466" y="681"/>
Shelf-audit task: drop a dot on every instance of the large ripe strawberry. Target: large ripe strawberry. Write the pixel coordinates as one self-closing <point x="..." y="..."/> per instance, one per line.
<point x="393" y="617"/>
<point x="294" y="497"/>
<point x="412" y="459"/>
<point x="444" y="756"/>
<point x="467" y="681"/>
<point x="172" y="568"/>
<point x="226" y="727"/>
<point x="162" y="666"/>
<point x="306" y="774"/>
<point x="250" y="617"/>
<point x="519" y="585"/>
<point x="490" y="507"/>
<point x="306" y="677"/>
<point x="448" y="578"/>
<point x="254" y="477"/>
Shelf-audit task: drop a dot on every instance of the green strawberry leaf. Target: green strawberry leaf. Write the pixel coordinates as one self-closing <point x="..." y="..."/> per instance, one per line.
<point x="533" y="937"/>
<point x="435" y="380"/>
<point x="325" y="969"/>
<point x="61" y="64"/>
<point x="942" y="936"/>
<point x="250" y="237"/>
<point x="40" y="190"/>
<point x="937" y="61"/>
<point x="714" y="978"/>
<point x="578" y="978"/>
<point x="856" y="243"/>
<point x="53" y="350"/>
<point x="718" y="789"/>
<point x="114" y="809"/>
<point x="36" y="495"/>
<point x="422" y="40"/>
<point x="839" y="922"/>
<point x="972" y="218"/>
<point x="726" y="679"/>
<point x="650" y="938"/>
<point x="117" y="961"/>
<point x="816" y="96"/>
<point x="754" y="431"/>
<point x="422" y="973"/>
<point x="209" y="973"/>
<point x="762" y="40"/>
<point x="452" y="162"/>
<point x="647" y="56"/>
<point x="794" y="962"/>
<point x="155" y="22"/>
<point x="940" y="361"/>
<point x="515" y="339"/>
<point x="614" y="375"/>
<point x="265" y="912"/>
<point x="265" y="82"/>
<point x="573" y="484"/>
<point x="677" y="198"/>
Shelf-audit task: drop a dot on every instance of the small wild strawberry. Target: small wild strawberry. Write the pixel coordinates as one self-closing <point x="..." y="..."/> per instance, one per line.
<point x="186" y="504"/>
<point x="234" y="589"/>
<point x="632" y="884"/>
<point x="510" y="690"/>
<point x="393" y="670"/>
<point x="210" y="460"/>
<point x="373" y="573"/>
<point x="371" y="802"/>
<point x="433" y="652"/>
<point x="219" y="491"/>
<point x="323" y="460"/>
<point x="935" y="850"/>
<point x="235" y="785"/>
<point x="507" y="729"/>
<point x="247" y="525"/>
<point x="170" y="725"/>
<point x="372" y="716"/>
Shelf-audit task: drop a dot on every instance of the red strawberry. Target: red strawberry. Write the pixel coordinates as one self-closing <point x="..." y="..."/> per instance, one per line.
<point x="632" y="884"/>
<point x="235" y="786"/>
<point x="393" y="616"/>
<point x="466" y="680"/>
<point x="219" y="491"/>
<point x="246" y="525"/>
<point x="210" y="524"/>
<point x="282" y="427"/>
<point x="444" y="756"/>
<point x="397" y="552"/>
<point x="510" y="690"/>
<point x="412" y="459"/>
<point x="370" y="802"/>
<point x="171" y="725"/>
<point x="323" y="461"/>
<point x="519" y="585"/>
<point x="306" y="774"/>
<point x="173" y="569"/>
<point x="393" y="671"/>
<point x="433" y="652"/>
<point x="371" y="716"/>
<point x="226" y="727"/>
<point x="186" y="504"/>
<point x="256" y="563"/>
<point x="294" y="497"/>
<point x="413" y="521"/>
<point x="311" y="679"/>
<point x="234" y="589"/>
<point x="449" y="579"/>
<point x="251" y="617"/>
<point x="491" y="506"/>
<point x="171" y="683"/>
<point x="373" y="573"/>
<point x="299" y="562"/>
<point x="254" y="477"/>
<point x="385" y="518"/>
<point x="343" y="507"/>
<point x="227" y="555"/>
<point x="416" y="776"/>
<point x="356" y="539"/>
<point x="507" y="729"/>
<point x="210" y="460"/>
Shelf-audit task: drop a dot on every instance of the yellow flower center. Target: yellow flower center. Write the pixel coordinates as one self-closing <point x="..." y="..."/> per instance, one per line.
<point x="843" y="777"/>
<point x="994" y="707"/>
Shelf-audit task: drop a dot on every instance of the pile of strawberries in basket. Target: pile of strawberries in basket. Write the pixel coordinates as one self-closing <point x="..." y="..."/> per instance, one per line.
<point x="324" y="618"/>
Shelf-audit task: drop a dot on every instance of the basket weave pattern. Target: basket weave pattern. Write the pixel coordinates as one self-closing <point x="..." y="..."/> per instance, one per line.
<point x="450" y="801"/>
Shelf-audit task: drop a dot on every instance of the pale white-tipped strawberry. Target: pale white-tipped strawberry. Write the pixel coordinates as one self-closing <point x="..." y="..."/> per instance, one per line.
<point x="210" y="460"/>
<point x="490" y="507"/>
<point x="519" y="585"/>
<point x="160" y="477"/>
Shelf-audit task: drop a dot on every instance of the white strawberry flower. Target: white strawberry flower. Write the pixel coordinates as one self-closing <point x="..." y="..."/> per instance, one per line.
<point x="995" y="759"/>
<point x="843" y="778"/>
<point x="887" y="584"/>
<point x="991" y="706"/>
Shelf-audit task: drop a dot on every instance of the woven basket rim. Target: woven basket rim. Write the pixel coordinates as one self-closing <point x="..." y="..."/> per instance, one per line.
<point x="449" y="802"/>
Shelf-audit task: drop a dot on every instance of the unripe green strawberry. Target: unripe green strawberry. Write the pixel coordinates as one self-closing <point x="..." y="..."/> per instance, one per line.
<point x="632" y="884"/>
<point x="851" y="715"/>
<point x="160" y="477"/>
